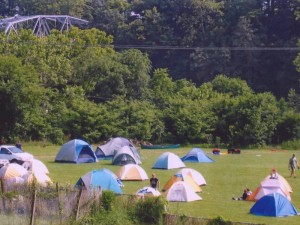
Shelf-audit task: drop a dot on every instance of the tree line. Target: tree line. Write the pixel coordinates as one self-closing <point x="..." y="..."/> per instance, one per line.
<point x="76" y="85"/>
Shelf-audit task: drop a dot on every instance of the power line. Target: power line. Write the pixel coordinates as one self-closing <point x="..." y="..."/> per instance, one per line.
<point x="162" y="47"/>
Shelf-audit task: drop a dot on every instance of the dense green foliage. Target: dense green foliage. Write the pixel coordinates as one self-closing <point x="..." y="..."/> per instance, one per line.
<point x="54" y="89"/>
<point x="77" y="85"/>
<point x="254" y="39"/>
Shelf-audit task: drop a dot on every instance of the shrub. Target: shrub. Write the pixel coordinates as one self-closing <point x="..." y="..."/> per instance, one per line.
<point x="150" y="210"/>
<point x="107" y="200"/>
<point x="218" y="221"/>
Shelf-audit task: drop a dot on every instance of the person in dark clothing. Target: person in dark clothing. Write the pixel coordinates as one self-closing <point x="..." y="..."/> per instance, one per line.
<point x="19" y="145"/>
<point x="243" y="197"/>
<point x="154" y="182"/>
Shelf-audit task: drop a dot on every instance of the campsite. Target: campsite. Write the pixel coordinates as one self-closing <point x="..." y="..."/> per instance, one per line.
<point x="226" y="177"/>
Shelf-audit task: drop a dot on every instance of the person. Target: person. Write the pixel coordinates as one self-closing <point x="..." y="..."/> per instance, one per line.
<point x="243" y="197"/>
<point x="273" y="174"/>
<point x="154" y="182"/>
<point x="249" y="192"/>
<point x="293" y="163"/>
<point x="19" y="145"/>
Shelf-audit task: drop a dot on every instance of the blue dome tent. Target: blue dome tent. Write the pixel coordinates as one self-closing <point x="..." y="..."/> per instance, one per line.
<point x="196" y="155"/>
<point x="76" y="151"/>
<point x="273" y="204"/>
<point x="168" y="160"/>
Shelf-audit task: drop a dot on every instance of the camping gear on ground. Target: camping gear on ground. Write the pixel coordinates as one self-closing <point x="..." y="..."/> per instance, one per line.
<point x="132" y="172"/>
<point x="168" y="160"/>
<point x="126" y="155"/>
<point x="143" y="146"/>
<point x="148" y="192"/>
<point x="182" y="177"/>
<point x="76" y="151"/>
<point x="103" y="178"/>
<point x="234" y="151"/>
<point x="269" y="186"/>
<point x="108" y="150"/>
<point x="273" y="204"/>
<point x="216" y="151"/>
<point x="12" y="170"/>
<point x="196" y="155"/>
<point x="181" y="192"/>
<point x="197" y="177"/>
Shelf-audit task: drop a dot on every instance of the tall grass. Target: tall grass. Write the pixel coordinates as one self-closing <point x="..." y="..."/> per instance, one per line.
<point x="226" y="178"/>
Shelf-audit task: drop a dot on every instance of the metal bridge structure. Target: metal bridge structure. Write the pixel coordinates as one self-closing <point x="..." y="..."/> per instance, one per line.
<point x="41" y="25"/>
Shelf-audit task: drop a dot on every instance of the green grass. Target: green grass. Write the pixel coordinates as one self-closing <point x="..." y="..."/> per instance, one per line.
<point x="226" y="177"/>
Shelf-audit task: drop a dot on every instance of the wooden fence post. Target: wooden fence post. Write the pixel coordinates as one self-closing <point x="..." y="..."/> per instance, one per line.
<point x="59" y="205"/>
<point x="33" y="208"/>
<point x="78" y="204"/>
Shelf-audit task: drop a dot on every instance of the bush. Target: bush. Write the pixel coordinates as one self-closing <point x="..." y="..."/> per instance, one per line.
<point x="218" y="221"/>
<point x="292" y="145"/>
<point x="150" y="210"/>
<point x="107" y="200"/>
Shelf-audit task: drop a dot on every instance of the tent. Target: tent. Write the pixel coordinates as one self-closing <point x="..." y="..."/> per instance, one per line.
<point x="12" y="170"/>
<point x="283" y="181"/>
<point x="196" y="155"/>
<point x="197" y="177"/>
<point x="273" y="204"/>
<point x="267" y="187"/>
<point x="103" y="178"/>
<point x="126" y="155"/>
<point x="108" y="150"/>
<point x="39" y="177"/>
<point x="35" y="166"/>
<point x="168" y="161"/>
<point x="148" y="191"/>
<point x="181" y="192"/>
<point x="182" y="177"/>
<point x="132" y="172"/>
<point x="76" y="151"/>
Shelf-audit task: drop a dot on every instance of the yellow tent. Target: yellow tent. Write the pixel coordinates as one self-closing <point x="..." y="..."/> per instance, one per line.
<point x="12" y="170"/>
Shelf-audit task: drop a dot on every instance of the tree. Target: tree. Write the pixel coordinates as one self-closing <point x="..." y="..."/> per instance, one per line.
<point x="20" y="98"/>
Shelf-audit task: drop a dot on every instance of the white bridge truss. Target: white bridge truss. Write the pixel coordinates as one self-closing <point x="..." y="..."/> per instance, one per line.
<point x="41" y="25"/>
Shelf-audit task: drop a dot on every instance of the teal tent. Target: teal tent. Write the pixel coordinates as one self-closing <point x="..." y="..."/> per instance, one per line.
<point x="104" y="179"/>
<point x="76" y="151"/>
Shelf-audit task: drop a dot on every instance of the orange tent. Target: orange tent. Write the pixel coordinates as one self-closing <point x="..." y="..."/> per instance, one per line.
<point x="182" y="177"/>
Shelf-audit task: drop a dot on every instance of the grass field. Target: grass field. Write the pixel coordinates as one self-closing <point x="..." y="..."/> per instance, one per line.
<point x="226" y="178"/>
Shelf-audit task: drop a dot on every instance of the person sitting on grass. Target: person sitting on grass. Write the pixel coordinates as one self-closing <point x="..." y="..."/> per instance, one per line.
<point x="243" y="197"/>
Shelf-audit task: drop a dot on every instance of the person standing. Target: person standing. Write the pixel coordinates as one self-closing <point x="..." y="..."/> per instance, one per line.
<point x="293" y="164"/>
<point x="154" y="182"/>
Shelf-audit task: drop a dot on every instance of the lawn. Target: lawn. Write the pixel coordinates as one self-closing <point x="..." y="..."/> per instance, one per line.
<point x="226" y="178"/>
